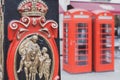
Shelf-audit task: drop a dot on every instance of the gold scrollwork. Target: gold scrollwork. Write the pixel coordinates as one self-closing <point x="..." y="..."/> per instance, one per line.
<point x="33" y="60"/>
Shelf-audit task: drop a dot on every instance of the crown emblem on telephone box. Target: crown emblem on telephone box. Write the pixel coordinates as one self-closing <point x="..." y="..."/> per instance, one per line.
<point x="33" y="54"/>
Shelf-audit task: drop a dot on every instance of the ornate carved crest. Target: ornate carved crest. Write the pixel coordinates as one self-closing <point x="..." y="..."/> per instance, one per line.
<point x="33" y="12"/>
<point x="35" y="56"/>
<point x="32" y="8"/>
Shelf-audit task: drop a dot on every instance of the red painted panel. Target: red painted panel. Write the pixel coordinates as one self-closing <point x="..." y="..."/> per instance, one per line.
<point x="103" y="39"/>
<point x="77" y="41"/>
<point x="18" y="34"/>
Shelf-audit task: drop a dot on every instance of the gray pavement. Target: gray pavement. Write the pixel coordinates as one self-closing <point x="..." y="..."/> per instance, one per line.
<point x="115" y="75"/>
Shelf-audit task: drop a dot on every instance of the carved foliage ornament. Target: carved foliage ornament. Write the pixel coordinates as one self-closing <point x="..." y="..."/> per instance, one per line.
<point x="33" y="12"/>
<point x="33" y="36"/>
<point x="33" y="8"/>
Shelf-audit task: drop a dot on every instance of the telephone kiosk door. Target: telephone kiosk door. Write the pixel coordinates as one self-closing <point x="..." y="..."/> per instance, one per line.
<point x="77" y="41"/>
<point x="103" y="40"/>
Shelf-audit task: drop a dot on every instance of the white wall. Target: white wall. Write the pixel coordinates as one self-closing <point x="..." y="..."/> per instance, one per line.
<point x="64" y="3"/>
<point x="61" y="25"/>
<point x="61" y="16"/>
<point x="115" y="1"/>
<point x="80" y="0"/>
<point x="112" y="1"/>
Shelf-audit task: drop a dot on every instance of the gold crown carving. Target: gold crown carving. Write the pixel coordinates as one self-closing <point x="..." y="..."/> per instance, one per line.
<point x="32" y="8"/>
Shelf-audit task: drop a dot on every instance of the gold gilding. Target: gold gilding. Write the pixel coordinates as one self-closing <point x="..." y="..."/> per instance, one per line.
<point x="33" y="60"/>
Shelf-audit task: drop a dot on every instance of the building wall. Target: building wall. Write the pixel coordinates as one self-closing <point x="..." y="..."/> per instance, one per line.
<point x="64" y="3"/>
<point x="80" y="0"/>
<point x="61" y="31"/>
<point x="111" y="1"/>
<point x="115" y="1"/>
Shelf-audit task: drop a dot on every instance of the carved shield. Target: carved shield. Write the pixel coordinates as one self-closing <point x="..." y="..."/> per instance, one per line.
<point x="33" y="54"/>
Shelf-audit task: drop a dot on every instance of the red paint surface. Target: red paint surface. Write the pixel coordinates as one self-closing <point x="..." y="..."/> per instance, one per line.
<point x="31" y="30"/>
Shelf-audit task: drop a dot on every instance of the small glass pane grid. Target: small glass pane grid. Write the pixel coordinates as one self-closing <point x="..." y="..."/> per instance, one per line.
<point x="65" y="41"/>
<point x="81" y="56"/>
<point x="106" y="43"/>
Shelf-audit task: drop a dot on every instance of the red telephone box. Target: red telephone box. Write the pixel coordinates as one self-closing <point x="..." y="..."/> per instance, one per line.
<point x="77" y="41"/>
<point x="103" y="40"/>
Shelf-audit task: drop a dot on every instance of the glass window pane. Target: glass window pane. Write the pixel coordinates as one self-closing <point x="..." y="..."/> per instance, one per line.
<point x="82" y="46"/>
<point x="81" y="42"/>
<point x="82" y="51"/>
<point x="106" y="56"/>
<point x="82" y="58"/>
<point x="106" y="62"/>
<point x="82" y="30"/>
<point x="82" y="35"/>
<point x="82" y="63"/>
<point x="82" y="25"/>
<point x="65" y="41"/>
